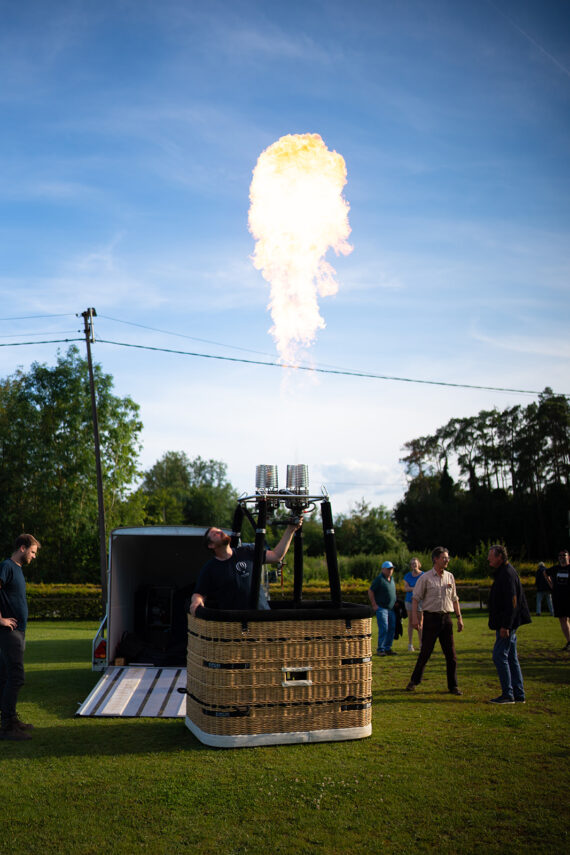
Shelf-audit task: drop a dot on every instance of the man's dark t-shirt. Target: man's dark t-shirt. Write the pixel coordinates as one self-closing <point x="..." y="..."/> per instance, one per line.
<point x="225" y="584"/>
<point x="13" y="602"/>
<point x="560" y="576"/>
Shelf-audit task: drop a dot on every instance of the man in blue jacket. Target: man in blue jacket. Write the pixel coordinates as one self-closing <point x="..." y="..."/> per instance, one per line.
<point x="508" y="609"/>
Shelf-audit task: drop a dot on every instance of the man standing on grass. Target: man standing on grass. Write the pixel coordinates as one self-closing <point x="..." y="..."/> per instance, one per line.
<point x="543" y="589"/>
<point x="560" y="575"/>
<point x="13" y="620"/>
<point x="508" y="609"/>
<point x="436" y="592"/>
<point x="382" y="596"/>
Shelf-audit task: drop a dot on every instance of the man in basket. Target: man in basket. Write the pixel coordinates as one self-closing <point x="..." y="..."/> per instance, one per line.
<point x="225" y="580"/>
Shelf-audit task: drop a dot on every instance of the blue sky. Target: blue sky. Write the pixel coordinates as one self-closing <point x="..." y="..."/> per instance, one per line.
<point x="129" y="134"/>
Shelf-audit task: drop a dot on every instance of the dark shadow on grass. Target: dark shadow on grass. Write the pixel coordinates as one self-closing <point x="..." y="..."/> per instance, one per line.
<point x="539" y="663"/>
<point x="547" y="671"/>
<point x="82" y="737"/>
<point x="399" y="695"/>
<point x="556" y="674"/>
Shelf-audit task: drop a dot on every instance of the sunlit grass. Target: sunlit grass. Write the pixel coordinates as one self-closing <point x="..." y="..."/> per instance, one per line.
<point x="439" y="772"/>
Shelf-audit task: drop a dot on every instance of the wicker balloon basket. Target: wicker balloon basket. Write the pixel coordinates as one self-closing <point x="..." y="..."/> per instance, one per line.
<point x="290" y="675"/>
<point x="298" y="672"/>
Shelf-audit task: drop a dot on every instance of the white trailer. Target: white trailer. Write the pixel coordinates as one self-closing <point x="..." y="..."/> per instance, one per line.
<point x="141" y="643"/>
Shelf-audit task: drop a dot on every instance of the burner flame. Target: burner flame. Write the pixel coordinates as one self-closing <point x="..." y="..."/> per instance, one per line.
<point x="297" y="214"/>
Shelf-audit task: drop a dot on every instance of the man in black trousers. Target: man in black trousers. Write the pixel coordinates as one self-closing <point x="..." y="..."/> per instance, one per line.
<point x="436" y="591"/>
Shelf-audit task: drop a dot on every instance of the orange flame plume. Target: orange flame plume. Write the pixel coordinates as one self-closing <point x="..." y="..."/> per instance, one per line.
<point x="297" y="213"/>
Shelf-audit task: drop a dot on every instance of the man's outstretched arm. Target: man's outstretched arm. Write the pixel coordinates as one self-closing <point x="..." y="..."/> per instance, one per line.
<point x="275" y="555"/>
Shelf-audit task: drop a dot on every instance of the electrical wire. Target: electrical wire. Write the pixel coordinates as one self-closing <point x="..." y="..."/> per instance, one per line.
<point x="183" y="335"/>
<point x="203" y="340"/>
<point x="50" y="341"/>
<point x="53" y="332"/>
<point x="299" y="367"/>
<point x="34" y="317"/>
<point x="335" y="371"/>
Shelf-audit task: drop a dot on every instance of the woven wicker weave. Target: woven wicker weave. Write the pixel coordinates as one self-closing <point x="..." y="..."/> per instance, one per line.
<point x="321" y="639"/>
<point x="279" y="677"/>
<point x="273" y="673"/>
<point x="279" y="719"/>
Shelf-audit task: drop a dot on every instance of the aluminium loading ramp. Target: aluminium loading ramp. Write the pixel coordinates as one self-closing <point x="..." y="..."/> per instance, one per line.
<point x="133" y="691"/>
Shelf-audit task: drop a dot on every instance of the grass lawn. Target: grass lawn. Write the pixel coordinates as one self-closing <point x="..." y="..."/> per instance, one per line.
<point x="455" y="775"/>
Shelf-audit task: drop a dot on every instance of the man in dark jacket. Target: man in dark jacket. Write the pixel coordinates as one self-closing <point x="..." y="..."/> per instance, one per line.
<point x="508" y="609"/>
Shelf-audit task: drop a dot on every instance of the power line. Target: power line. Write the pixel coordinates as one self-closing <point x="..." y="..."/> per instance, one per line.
<point x="50" y="341"/>
<point x="55" y="332"/>
<point x="34" y="317"/>
<point x="310" y="368"/>
<point x="183" y="335"/>
<point x="196" y="338"/>
<point x="158" y="330"/>
<point x="342" y="372"/>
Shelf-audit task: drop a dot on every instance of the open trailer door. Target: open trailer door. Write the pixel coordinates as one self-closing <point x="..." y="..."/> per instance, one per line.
<point x="152" y="572"/>
<point x="133" y="691"/>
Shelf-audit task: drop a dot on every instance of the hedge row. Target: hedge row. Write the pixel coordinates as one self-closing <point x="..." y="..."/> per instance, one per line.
<point x="356" y="591"/>
<point x="64" y="602"/>
<point x="83" y="602"/>
<point x="367" y="566"/>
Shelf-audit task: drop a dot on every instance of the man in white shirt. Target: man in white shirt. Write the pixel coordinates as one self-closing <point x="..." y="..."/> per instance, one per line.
<point x="436" y="592"/>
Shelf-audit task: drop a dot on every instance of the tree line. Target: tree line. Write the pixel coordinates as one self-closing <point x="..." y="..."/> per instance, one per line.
<point x="500" y="476"/>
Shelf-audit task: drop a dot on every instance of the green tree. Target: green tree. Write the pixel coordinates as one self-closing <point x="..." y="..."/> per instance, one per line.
<point x="212" y="499"/>
<point x="47" y="462"/>
<point x="166" y="487"/>
<point x="366" y="530"/>
<point x="313" y="535"/>
<point x="513" y="480"/>
<point x="172" y="473"/>
<point x="179" y="491"/>
<point x="210" y="505"/>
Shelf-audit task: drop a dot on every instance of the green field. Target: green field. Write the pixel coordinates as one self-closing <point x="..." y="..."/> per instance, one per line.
<point x="439" y="773"/>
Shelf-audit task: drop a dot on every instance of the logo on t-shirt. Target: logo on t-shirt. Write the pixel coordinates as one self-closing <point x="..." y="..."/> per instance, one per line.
<point x="241" y="568"/>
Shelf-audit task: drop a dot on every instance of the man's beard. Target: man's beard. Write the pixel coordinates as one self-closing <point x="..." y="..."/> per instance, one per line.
<point x="225" y="539"/>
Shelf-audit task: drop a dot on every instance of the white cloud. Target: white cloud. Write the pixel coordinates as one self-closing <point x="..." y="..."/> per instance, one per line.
<point x="550" y="346"/>
<point x="249" y="44"/>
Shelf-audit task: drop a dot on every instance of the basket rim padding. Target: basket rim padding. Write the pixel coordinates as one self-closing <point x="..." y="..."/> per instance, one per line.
<point x="281" y="610"/>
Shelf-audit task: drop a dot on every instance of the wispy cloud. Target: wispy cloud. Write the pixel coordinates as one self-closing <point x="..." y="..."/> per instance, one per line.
<point x="352" y="473"/>
<point x="37" y="186"/>
<point x="549" y="56"/>
<point x="41" y="36"/>
<point x="263" y="42"/>
<point x="553" y="346"/>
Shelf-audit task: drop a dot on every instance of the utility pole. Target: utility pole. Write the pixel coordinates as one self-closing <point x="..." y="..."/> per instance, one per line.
<point x="88" y="316"/>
